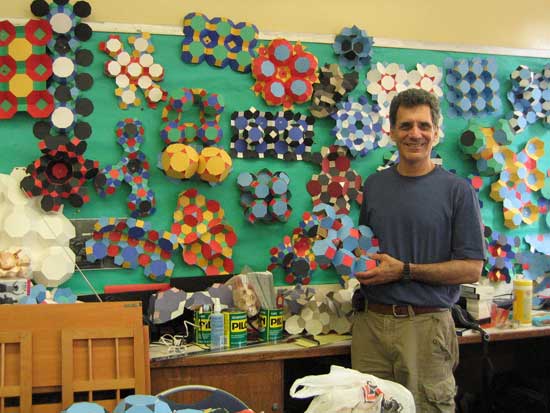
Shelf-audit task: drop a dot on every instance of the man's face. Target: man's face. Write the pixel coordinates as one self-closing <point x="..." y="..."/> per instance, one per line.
<point x="414" y="133"/>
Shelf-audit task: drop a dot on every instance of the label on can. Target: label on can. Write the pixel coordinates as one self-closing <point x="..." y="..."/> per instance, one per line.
<point x="202" y="329"/>
<point x="271" y="324"/>
<point x="235" y="328"/>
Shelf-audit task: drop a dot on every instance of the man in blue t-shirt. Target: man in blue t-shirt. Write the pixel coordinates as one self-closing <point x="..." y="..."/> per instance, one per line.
<point x="431" y="240"/>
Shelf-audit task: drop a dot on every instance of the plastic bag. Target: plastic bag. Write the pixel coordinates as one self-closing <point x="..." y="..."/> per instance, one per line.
<point x="350" y="391"/>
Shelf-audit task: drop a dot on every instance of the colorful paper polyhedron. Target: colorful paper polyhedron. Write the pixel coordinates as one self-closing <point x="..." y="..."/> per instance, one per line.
<point x="473" y="87"/>
<point x="219" y="42"/>
<point x="530" y="97"/>
<point x="206" y="240"/>
<point x="337" y="184"/>
<point x="134" y="70"/>
<point x="265" y="196"/>
<point x="133" y="169"/>
<point x="353" y="47"/>
<point x="24" y="69"/>
<point x="358" y="126"/>
<point x="133" y="243"/>
<point x="284" y="73"/>
<point x="284" y="135"/>
<point x="206" y="129"/>
<point x="331" y="89"/>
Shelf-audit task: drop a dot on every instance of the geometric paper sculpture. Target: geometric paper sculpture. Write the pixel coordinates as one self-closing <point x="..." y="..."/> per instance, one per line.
<point x="44" y="238"/>
<point x="384" y="81"/>
<point x="353" y="47"/>
<point x="134" y="70"/>
<point x="324" y="238"/>
<point x="341" y="245"/>
<point x="473" y="87"/>
<point x="519" y="178"/>
<point x="265" y="196"/>
<point x="337" y="184"/>
<point x="284" y="135"/>
<point x="206" y="240"/>
<point x="530" y="97"/>
<point x="319" y="313"/>
<point x="534" y="265"/>
<point x="24" y="69"/>
<point x="501" y="255"/>
<point x="59" y="173"/>
<point x="139" y="403"/>
<point x="539" y="242"/>
<point x="358" y="126"/>
<point x="133" y="243"/>
<point x="133" y="169"/>
<point x="214" y="165"/>
<point x="284" y="73"/>
<point x="219" y="42"/>
<point x="68" y="56"/>
<point x="207" y="130"/>
<point x="331" y="89"/>
<point x="179" y="161"/>
<point x="85" y="407"/>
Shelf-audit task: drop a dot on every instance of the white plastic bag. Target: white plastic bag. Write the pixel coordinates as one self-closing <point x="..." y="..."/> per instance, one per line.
<point x="350" y="391"/>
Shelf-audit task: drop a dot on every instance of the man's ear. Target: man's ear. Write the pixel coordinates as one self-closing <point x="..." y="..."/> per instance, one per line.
<point x="392" y="134"/>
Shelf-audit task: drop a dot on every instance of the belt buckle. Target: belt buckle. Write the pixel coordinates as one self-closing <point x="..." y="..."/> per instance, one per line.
<point x="395" y="314"/>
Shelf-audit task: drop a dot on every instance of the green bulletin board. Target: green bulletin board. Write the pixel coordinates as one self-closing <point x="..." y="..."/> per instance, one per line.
<point x="255" y="240"/>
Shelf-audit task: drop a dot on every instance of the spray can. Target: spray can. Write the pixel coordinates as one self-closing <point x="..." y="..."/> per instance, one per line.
<point x="217" y="338"/>
<point x="523" y="297"/>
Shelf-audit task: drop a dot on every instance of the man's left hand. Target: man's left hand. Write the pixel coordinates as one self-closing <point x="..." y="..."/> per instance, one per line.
<point x="388" y="270"/>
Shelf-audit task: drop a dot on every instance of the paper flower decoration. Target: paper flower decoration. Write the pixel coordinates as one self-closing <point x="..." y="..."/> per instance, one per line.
<point x="134" y="70"/>
<point x="133" y="243"/>
<point x="358" y="126"/>
<point x="331" y="89"/>
<point x="353" y="47"/>
<point x="337" y="184"/>
<point x="284" y="135"/>
<point x="284" y="73"/>
<point x="265" y="196"/>
<point x="133" y="169"/>
<point x="473" y="87"/>
<point x="530" y="97"/>
<point x="219" y="42"/>
<point x="24" y="69"/>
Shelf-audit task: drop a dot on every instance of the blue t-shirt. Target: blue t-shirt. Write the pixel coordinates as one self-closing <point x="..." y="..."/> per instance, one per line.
<point x="424" y="219"/>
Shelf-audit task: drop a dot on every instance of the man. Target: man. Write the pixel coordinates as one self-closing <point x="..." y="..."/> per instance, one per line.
<point x="431" y="240"/>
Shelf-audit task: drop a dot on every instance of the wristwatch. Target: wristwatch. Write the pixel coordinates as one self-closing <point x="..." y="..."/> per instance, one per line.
<point x="406" y="274"/>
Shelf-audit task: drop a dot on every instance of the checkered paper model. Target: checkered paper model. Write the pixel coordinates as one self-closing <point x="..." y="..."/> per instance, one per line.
<point x="283" y="135"/>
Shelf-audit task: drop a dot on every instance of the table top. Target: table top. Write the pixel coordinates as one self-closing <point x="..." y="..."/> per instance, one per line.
<point x="160" y="357"/>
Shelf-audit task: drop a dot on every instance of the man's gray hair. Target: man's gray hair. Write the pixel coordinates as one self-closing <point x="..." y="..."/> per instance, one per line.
<point x="415" y="97"/>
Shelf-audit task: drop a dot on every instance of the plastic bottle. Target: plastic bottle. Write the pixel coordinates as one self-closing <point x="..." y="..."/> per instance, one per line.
<point x="523" y="296"/>
<point x="217" y="334"/>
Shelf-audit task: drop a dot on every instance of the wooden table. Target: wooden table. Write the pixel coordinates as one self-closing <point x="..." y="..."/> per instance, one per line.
<point x="256" y="374"/>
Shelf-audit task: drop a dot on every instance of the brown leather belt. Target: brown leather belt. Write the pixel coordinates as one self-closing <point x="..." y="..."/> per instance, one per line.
<point x="402" y="310"/>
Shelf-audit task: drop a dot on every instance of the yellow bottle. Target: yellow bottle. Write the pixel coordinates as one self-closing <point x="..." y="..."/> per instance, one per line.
<point x="523" y="301"/>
